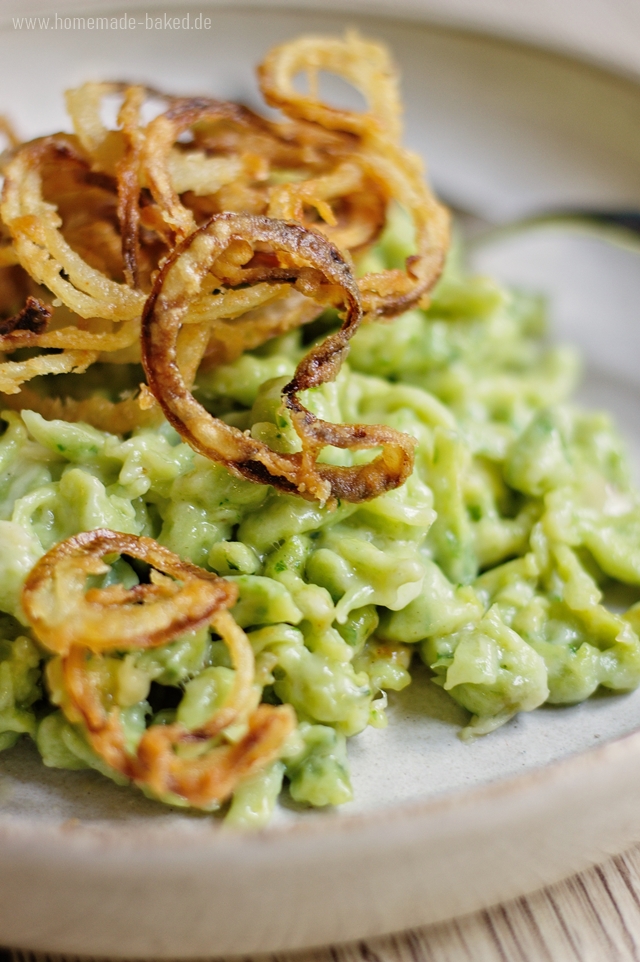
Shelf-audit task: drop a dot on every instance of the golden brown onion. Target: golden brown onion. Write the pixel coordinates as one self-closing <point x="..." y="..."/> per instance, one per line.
<point x="359" y="201"/>
<point x="391" y="292"/>
<point x="84" y="105"/>
<point x="396" y="171"/>
<point x="206" y="175"/>
<point x="15" y="373"/>
<point x="238" y="249"/>
<point x="231" y="159"/>
<point x="364" y="63"/>
<point x="116" y="417"/>
<point x="41" y="248"/>
<point x="130" y="619"/>
<point x="128" y="177"/>
<point x="48" y="256"/>
<point x="63" y="614"/>
<point x="211" y="776"/>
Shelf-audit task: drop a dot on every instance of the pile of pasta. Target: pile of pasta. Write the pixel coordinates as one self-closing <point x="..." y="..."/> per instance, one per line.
<point x="192" y="231"/>
<point x="267" y="457"/>
<point x="208" y="230"/>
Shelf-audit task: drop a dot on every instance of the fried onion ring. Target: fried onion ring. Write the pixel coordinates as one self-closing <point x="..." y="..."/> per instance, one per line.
<point x="115" y="417"/>
<point x="127" y="172"/>
<point x="364" y="63"/>
<point x="84" y="106"/>
<point x="235" y="177"/>
<point x="202" y="781"/>
<point x="83" y="690"/>
<point x="63" y="615"/>
<point x="15" y="373"/>
<point x="160" y="137"/>
<point x="391" y="292"/>
<point x="117" y="619"/>
<point x="276" y="251"/>
<point x="49" y="258"/>
<point x="40" y="246"/>
<point x="364" y="199"/>
<point x="397" y="171"/>
<point x="227" y="166"/>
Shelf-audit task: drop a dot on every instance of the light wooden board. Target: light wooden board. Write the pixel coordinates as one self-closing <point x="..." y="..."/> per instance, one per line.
<point x="592" y="917"/>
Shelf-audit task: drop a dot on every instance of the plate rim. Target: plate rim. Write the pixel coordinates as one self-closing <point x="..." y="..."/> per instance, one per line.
<point x="77" y="830"/>
<point x="208" y="832"/>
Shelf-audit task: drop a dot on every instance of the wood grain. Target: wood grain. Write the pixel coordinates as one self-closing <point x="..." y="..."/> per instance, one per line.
<point x="592" y="917"/>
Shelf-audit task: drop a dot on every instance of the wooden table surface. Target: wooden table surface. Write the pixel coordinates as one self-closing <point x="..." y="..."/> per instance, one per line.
<point x="592" y="917"/>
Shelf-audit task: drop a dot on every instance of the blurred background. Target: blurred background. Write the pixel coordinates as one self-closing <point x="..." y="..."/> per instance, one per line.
<point x="604" y="31"/>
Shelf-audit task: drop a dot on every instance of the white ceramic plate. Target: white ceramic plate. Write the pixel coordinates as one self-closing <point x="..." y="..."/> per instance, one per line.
<point x="438" y="827"/>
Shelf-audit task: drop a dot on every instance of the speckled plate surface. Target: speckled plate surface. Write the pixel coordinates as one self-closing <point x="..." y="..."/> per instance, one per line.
<point x="438" y="827"/>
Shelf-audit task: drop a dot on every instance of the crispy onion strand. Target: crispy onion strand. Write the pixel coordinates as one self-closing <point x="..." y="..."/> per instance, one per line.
<point x="363" y="63"/>
<point x="361" y="199"/>
<point x="232" y="170"/>
<point x="206" y="779"/>
<point x="40" y="246"/>
<point x="116" y="417"/>
<point x="158" y="158"/>
<point x="276" y="251"/>
<point x="127" y="171"/>
<point x="63" y="614"/>
<point x="48" y="257"/>
<point x="15" y="373"/>
<point x="84" y="106"/>
<point x="396" y="170"/>
<point x="149" y="614"/>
